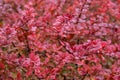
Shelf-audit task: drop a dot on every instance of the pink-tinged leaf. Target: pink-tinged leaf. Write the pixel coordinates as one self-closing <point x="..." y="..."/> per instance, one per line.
<point x="19" y="76"/>
<point x="26" y="63"/>
<point x="29" y="72"/>
<point x="2" y="66"/>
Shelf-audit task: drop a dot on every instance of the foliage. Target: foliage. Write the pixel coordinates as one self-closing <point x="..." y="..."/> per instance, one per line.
<point x="59" y="40"/>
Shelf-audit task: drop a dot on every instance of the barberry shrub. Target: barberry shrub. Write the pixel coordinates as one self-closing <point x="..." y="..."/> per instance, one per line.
<point x="59" y="39"/>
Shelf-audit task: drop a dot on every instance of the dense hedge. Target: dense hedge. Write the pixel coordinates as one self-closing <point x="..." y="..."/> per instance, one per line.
<point x="59" y="39"/>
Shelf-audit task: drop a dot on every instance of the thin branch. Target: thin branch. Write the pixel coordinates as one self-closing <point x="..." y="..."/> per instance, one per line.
<point x="81" y="10"/>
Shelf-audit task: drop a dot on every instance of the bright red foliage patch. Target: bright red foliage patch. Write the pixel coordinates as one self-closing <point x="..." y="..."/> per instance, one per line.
<point x="59" y="39"/>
